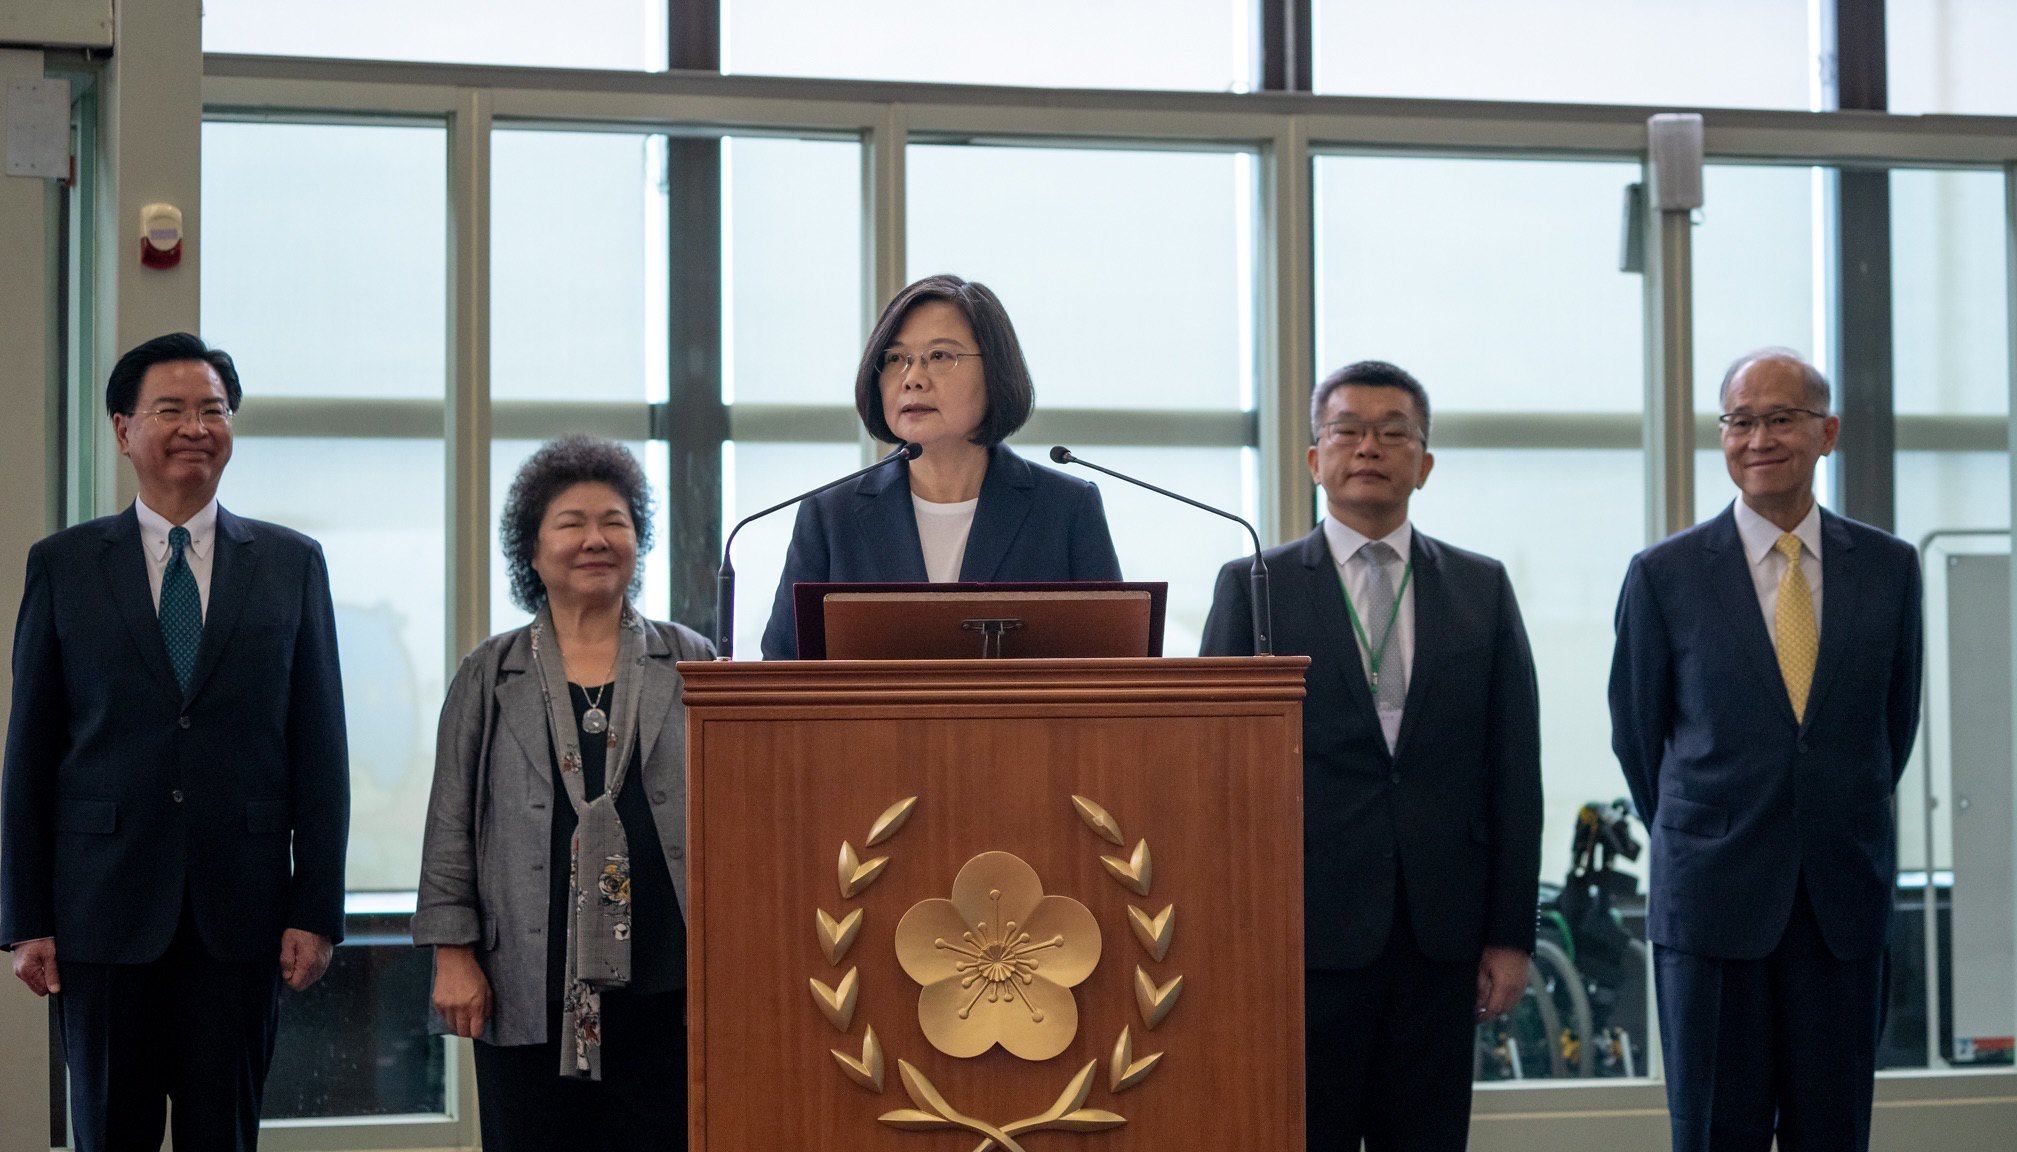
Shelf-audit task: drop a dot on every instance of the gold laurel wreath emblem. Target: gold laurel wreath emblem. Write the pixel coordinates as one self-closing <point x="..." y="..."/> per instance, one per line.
<point x="931" y="1110"/>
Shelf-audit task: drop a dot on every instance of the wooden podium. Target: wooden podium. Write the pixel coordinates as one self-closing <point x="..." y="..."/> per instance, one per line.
<point x="863" y="832"/>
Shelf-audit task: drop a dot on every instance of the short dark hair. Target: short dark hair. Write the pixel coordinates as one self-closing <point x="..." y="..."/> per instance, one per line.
<point x="1819" y="394"/>
<point x="1372" y="374"/>
<point x="1010" y="393"/>
<point x="557" y="466"/>
<point x="122" y="388"/>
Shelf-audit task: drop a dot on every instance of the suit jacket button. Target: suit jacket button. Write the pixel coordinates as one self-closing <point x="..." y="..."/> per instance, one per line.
<point x="1803" y="747"/>
<point x="1394" y="779"/>
<point x="176" y="795"/>
<point x="182" y="721"/>
<point x="676" y="852"/>
<point x="658" y="797"/>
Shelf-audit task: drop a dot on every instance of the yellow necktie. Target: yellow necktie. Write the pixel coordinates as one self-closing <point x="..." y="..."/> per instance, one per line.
<point x="1799" y="633"/>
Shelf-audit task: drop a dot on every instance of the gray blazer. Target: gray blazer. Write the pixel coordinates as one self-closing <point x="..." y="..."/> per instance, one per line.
<point x="483" y="863"/>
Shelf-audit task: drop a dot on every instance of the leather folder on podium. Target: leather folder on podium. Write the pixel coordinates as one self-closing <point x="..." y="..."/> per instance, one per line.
<point x="1107" y="618"/>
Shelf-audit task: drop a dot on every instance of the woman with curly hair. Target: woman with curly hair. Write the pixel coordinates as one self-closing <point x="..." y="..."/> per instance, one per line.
<point x="553" y="877"/>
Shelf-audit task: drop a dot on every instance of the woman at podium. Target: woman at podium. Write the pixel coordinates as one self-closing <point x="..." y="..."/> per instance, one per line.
<point x="552" y="883"/>
<point x="943" y="370"/>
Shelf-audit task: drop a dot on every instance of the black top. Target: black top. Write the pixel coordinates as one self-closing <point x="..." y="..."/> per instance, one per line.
<point x="657" y="923"/>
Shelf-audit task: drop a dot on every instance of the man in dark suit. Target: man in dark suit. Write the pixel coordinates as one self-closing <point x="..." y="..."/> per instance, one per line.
<point x="1421" y="777"/>
<point x="176" y="794"/>
<point x="1764" y="697"/>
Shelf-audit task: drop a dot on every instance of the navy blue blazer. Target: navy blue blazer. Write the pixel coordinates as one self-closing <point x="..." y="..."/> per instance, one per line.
<point x="1032" y="524"/>
<point x="1741" y="799"/>
<point x="123" y="800"/>
<point x="1454" y="812"/>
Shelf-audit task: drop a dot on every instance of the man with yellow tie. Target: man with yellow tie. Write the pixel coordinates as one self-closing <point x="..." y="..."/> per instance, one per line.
<point x="1764" y="697"/>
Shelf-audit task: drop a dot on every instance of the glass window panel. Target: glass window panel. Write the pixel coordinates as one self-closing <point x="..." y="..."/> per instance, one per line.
<point x="1951" y="55"/>
<point x="384" y="540"/>
<point x="791" y="258"/>
<point x="1950" y="298"/>
<point x="578" y="266"/>
<point x="1567" y="585"/>
<point x="1755" y="273"/>
<point x="356" y="1043"/>
<point x="364" y="211"/>
<point x="1189" y="44"/>
<point x="627" y="34"/>
<point x="1160" y="539"/>
<point x="1129" y="274"/>
<point x="506" y="458"/>
<point x="1673" y="53"/>
<point x="757" y="475"/>
<point x="1494" y="282"/>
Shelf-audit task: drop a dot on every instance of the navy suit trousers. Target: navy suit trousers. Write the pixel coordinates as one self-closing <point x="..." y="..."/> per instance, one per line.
<point x="1783" y="1046"/>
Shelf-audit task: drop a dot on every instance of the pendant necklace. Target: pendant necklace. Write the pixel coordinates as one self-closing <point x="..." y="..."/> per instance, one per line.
<point x="595" y="721"/>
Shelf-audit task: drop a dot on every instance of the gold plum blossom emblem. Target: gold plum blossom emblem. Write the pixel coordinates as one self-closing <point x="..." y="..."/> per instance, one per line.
<point x="998" y="961"/>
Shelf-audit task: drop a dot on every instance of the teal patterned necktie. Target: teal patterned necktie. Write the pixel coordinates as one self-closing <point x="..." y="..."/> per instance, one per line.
<point x="181" y="609"/>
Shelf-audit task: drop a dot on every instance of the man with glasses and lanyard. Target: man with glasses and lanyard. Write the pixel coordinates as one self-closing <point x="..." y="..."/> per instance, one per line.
<point x="1764" y="698"/>
<point x="176" y="792"/>
<point x="1421" y="776"/>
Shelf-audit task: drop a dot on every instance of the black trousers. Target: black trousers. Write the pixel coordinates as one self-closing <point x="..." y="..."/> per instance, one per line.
<point x="1784" y="1046"/>
<point x="640" y="1102"/>
<point x="1387" y="1050"/>
<point x="185" y="1027"/>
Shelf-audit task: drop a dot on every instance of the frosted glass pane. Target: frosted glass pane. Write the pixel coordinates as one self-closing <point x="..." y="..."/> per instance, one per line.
<point x="1190" y="44"/>
<point x="627" y="34"/>
<point x="1129" y="275"/>
<point x="1950" y="490"/>
<point x="1754" y="269"/>
<point x="791" y="253"/>
<point x="1951" y="56"/>
<point x="1160" y="539"/>
<point x="578" y="265"/>
<point x="1950" y="305"/>
<point x="1673" y="53"/>
<point x="1567" y="584"/>
<point x="311" y="232"/>
<point x="506" y="458"/>
<point x="387" y="571"/>
<point x="758" y="475"/>
<point x="1495" y="282"/>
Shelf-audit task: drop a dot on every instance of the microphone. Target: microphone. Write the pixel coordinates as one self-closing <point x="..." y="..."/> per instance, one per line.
<point x="724" y="580"/>
<point x="1264" y="617"/>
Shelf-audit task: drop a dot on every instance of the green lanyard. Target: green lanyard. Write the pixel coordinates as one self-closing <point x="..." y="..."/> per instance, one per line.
<point x="1375" y="655"/>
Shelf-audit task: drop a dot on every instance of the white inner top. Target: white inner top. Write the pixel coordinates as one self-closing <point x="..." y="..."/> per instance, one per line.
<point x="942" y="529"/>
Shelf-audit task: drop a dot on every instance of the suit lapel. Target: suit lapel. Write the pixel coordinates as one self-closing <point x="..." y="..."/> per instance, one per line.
<point x="124" y="563"/>
<point x="1737" y="602"/>
<point x="889" y="526"/>
<point x="1434" y="617"/>
<point x="659" y="695"/>
<point x="234" y="562"/>
<point x="1326" y="593"/>
<point x="1840" y="592"/>
<point x="1005" y="495"/>
<point x="523" y="708"/>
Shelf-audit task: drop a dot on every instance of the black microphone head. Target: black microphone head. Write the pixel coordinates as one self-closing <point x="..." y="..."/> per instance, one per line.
<point x="910" y="450"/>
<point x="1060" y="454"/>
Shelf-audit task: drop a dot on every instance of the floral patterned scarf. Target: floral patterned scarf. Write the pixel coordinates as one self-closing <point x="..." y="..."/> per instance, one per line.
<point x="598" y="884"/>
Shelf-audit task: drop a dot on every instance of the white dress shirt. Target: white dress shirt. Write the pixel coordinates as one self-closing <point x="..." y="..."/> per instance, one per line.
<point x="154" y="542"/>
<point x="1353" y="572"/>
<point x="942" y="530"/>
<point x="1768" y="566"/>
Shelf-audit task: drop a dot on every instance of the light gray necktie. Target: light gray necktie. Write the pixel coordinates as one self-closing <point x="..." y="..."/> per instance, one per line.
<point x="1378" y="618"/>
